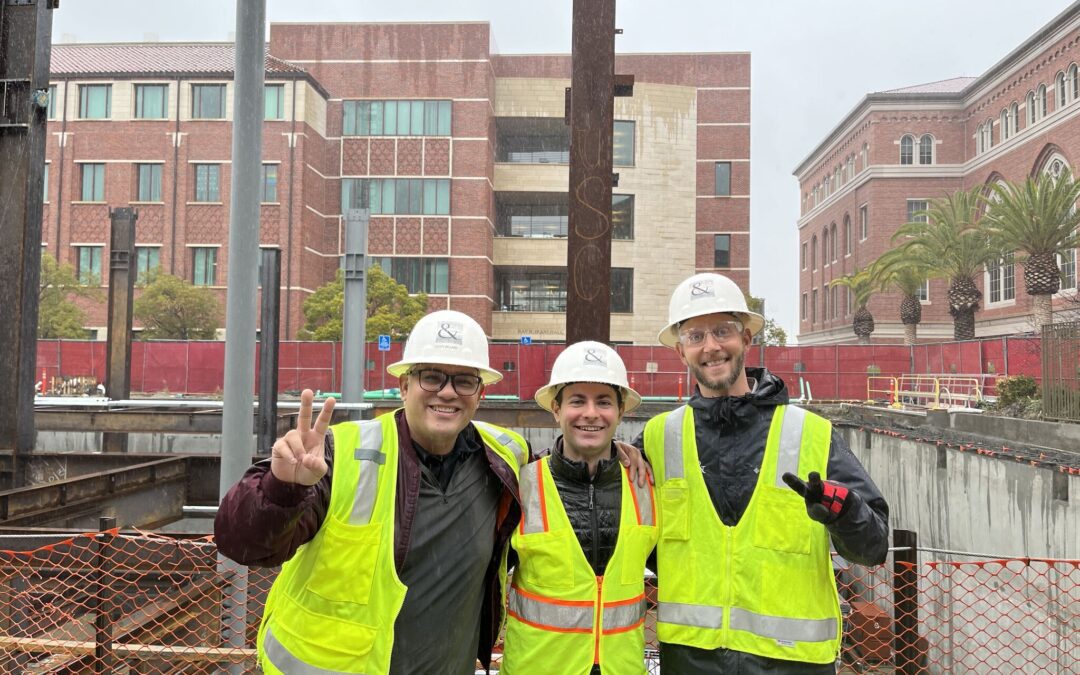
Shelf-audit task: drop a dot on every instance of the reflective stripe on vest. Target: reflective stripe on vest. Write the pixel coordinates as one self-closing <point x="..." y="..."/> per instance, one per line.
<point x="504" y="439"/>
<point x="563" y="616"/>
<point x="787" y="456"/>
<point x="782" y="627"/>
<point x="533" y="504"/>
<point x="625" y="615"/>
<point x="644" y="505"/>
<point x="286" y="662"/>
<point x="673" y="432"/>
<point x="367" y="486"/>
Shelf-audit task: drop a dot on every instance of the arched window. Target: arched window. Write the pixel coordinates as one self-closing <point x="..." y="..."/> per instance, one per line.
<point x="988" y="129"/>
<point x="825" y="188"/>
<point x="1059" y="91"/>
<point x="926" y="149"/>
<point x="836" y="178"/>
<point x="1014" y="114"/>
<point x="907" y="149"/>
<point x="847" y="234"/>
<point x="832" y="241"/>
<point x="1031" y="108"/>
<point x="813" y="252"/>
<point x="825" y="247"/>
<point x="1074" y="82"/>
<point x="979" y="140"/>
<point x="1042" y="101"/>
<point x="865" y="155"/>
<point x="1004" y="122"/>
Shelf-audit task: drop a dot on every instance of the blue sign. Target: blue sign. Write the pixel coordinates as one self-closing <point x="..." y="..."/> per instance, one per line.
<point x="526" y="340"/>
<point x="384" y="343"/>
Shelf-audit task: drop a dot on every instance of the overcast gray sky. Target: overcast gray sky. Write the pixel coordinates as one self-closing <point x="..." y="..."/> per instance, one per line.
<point x="812" y="62"/>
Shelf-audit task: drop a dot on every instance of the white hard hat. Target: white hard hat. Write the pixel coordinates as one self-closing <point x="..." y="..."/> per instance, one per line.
<point x="707" y="293"/>
<point x="449" y="338"/>
<point x="588" y="362"/>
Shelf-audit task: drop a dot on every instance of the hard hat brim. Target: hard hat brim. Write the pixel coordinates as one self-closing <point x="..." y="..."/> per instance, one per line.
<point x="669" y="337"/>
<point x="487" y="375"/>
<point x="545" y="396"/>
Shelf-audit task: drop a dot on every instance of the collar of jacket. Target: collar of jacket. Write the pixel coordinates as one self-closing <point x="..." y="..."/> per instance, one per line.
<point x="607" y="471"/>
<point x="738" y="411"/>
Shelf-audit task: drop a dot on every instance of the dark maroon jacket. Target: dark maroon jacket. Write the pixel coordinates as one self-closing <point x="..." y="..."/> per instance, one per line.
<point x="262" y="521"/>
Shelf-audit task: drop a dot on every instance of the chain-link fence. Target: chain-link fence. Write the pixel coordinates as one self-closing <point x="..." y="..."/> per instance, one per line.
<point x="114" y="602"/>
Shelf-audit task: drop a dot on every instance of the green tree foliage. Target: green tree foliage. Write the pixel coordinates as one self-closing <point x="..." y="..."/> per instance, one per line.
<point x="862" y="286"/>
<point x="771" y="335"/>
<point x="58" y="315"/>
<point x="390" y="309"/>
<point x="170" y="308"/>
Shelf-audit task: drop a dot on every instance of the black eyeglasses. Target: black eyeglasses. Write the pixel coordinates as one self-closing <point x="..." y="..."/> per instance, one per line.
<point x="433" y="380"/>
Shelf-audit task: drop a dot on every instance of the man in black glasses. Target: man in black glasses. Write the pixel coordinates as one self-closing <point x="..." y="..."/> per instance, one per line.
<point x="392" y="532"/>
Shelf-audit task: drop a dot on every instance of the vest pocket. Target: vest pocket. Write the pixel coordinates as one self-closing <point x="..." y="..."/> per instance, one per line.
<point x="545" y="558"/>
<point x="781" y="523"/>
<point x="675" y="510"/>
<point x="354" y="548"/>
<point x="639" y="539"/>
<point x="297" y="634"/>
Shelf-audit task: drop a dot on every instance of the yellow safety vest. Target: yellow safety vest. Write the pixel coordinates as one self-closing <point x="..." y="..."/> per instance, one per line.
<point x="764" y="586"/>
<point x="561" y="617"/>
<point x="332" y="607"/>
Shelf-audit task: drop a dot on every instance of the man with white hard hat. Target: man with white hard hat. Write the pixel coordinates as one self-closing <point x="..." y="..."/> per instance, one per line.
<point x="393" y="532"/>
<point x="752" y="490"/>
<point x="577" y="604"/>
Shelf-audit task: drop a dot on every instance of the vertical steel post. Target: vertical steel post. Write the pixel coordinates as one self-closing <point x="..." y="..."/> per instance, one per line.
<point x="592" y="117"/>
<point x="269" y="335"/>
<point x="354" y="319"/>
<point x="237" y="441"/>
<point x="25" y="40"/>
<point x="100" y="596"/>
<point x="121" y="293"/>
<point x="906" y="602"/>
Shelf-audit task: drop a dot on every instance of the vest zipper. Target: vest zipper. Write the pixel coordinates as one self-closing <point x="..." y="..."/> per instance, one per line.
<point x="599" y="616"/>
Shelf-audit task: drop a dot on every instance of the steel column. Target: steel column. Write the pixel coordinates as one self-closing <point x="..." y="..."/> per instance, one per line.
<point x="121" y="293"/>
<point x="269" y="336"/>
<point x="354" y="313"/>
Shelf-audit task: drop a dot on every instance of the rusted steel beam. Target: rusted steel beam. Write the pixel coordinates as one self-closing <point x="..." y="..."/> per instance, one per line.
<point x="592" y="116"/>
<point x="121" y="295"/>
<point x="266" y="427"/>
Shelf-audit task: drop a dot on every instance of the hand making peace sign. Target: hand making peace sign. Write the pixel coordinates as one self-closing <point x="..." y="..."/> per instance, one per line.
<point x="298" y="456"/>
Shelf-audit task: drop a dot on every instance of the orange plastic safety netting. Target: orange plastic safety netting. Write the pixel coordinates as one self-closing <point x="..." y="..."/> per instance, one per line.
<point x="118" y="603"/>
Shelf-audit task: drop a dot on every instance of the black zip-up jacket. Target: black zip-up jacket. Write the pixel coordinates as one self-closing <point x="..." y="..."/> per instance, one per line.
<point x="731" y="432"/>
<point x="592" y="503"/>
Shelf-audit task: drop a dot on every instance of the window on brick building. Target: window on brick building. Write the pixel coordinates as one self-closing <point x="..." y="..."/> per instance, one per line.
<point x="93" y="183"/>
<point x="832" y="241"/>
<point x="979" y="140"/>
<point x="988" y="129"/>
<point x="208" y="101"/>
<point x="207" y="182"/>
<point x="269" y="183"/>
<point x="813" y="252"/>
<point x="1060" y="92"/>
<point x="1014" y="114"/>
<point x="916" y="211"/>
<point x="923" y="293"/>
<point x="864" y="222"/>
<point x="418" y="275"/>
<point x="543" y="289"/>
<point x="622" y="143"/>
<point x="1003" y="122"/>
<point x="825" y="247"/>
<point x="1067" y="265"/>
<point x="825" y="304"/>
<point x="148" y="177"/>
<point x="45" y="184"/>
<point x="926" y="149"/>
<point x="52" y="101"/>
<point x="813" y="306"/>
<point x="389" y="196"/>
<point x="1001" y="281"/>
<point x="396" y="118"/>
<point x="847" y="235"/>
<point x="802" y="256"/>
<point x="1074" y="82"/>
<point x="95" y="101"/>
<point x="722" y="184"/>
<point x="274" y="102"/>
<point x="1041" y="103"/>
<point x="721" y="250"/>
<point x="204" y="265"/>
<point x="147" y="260"/>
<point x="866" y="156"/>
<point x="151" y="101"/>
<point x="907" y="150"/>
<point x="1030" y="105"/>
<point x="88" y="264"/>
<point x="802" y="308"/>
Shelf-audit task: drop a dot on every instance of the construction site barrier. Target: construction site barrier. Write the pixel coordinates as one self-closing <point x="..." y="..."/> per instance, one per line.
<point x="118" y="602"/>
<point x="926" y="391"/>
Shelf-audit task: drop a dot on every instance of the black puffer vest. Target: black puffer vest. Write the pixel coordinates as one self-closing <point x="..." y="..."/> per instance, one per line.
<point x="592" y="503"/>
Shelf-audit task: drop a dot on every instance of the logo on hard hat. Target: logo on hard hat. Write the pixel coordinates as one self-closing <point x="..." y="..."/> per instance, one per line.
<point x="702" y="289"/>
<point x="594" y="357"/>
<point x="449" y="334"/>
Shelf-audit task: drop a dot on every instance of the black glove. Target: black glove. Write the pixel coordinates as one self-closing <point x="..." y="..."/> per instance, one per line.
<point x="826" y="501"/>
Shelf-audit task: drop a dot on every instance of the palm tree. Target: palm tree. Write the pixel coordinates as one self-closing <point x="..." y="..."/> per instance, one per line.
<point x="861" y="284"/>
<point x="1039" y="219"/>
<point x="893" y="271"/>
<point x="954" y="245"/>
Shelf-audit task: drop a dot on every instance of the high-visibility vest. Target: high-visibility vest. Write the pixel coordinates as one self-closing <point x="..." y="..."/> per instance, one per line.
<point x="764" y="586"/>
<point x="332" y="607"/>
<point x="562" y="618"/>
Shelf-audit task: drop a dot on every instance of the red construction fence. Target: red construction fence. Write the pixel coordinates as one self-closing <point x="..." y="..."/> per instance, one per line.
<point x="112" y="602"/>
<point x="832" y="371"/>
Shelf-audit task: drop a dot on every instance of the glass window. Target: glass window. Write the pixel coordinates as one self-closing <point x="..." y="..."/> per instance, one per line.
<point x="269" y="183"/>
<point x="1003" y="122"/>
<point x="204" y="265"/>
<point x="208" y="182"/>
<point x="802" y="308"/>
<point x="532" y="140"/>
<point x="813" y="306"/>
<point x="622" y="217"/>
<point x="832" y="241"/>
<point x="1014" y="117"/>
<point x="1074" y="82"/>
<point x="723" y="179"/>
<point x="52" y="101"/>
<point x="864" y="223"/>
<point x="825" y="247"/>
<point x="149" y="177"/>
<point x="1001" y="280"/>
<point x="45" y="184"/>
<point x="622" y="143"/>
<point x="1059" y="90"/>
<point x="88" y="264"/>
<point x="721" y="250"/>
<point x="418" y="275"/>
<point x="274" y="102"/>
<point x="914" y="206"/>
<point x="95" y="101"/>
<point x="813" y="252"/>
<point x="1067" y="263"/>
<point x="208" y="101"/>
<point x="396" y="118"/>
<point x="847" y="235"/>
<point x="923" y="293"/>
<point x="1031" y="108"/>
<point x="907" y="150"/>
<point x="926" y="149"/>
<point x="151" y="101"/>
<point x="389" y="196"/>
<point x="622" y="289"/>
<point x="147" y="259"/>
<point x="802" y="256"/>
<point x="1041" y="109"/>
<point x="93" y="183"/>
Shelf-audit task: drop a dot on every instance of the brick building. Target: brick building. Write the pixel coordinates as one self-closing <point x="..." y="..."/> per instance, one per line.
<point x="463" y="154"/>
<point x="897" y="149"/>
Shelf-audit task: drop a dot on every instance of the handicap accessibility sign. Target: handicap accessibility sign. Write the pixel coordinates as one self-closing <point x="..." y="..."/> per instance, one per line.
<point x="526" y="340"/>
<point x="384" y="343"/>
